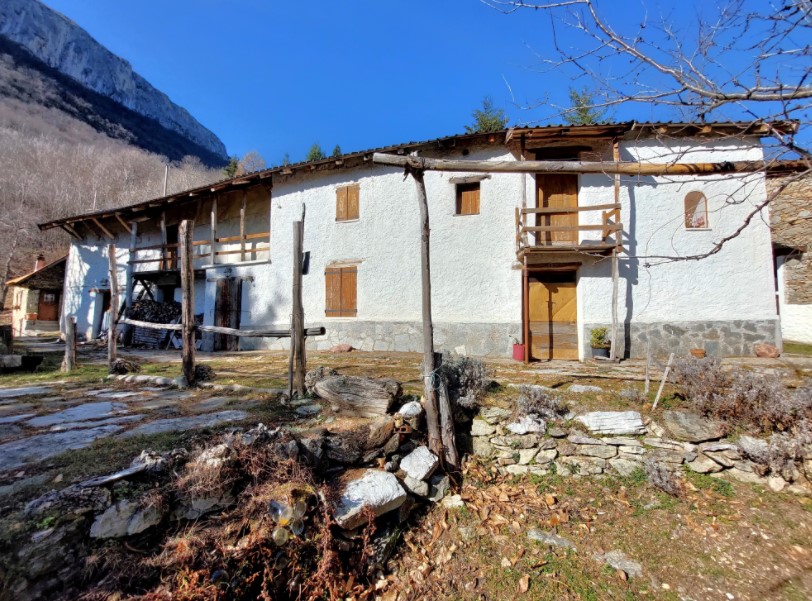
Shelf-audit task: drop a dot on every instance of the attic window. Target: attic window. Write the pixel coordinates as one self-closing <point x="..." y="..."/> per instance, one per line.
<point x="347" y="201"/>
<point x="696" y="211"/>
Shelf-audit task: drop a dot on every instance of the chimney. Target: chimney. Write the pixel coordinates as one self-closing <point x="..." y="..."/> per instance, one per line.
<point x="40" y="262"/>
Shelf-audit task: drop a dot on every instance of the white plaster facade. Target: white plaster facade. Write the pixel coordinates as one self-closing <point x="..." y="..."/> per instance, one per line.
<point x="476" y="279"/>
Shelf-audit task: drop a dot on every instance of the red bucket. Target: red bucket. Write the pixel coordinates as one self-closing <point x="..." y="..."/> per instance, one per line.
<point x="518" y="352"/>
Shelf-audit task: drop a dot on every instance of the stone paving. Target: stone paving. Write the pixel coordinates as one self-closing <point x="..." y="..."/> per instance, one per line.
<point x="41" y="422"/>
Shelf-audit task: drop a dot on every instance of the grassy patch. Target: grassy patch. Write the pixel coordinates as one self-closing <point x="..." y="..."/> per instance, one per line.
<point x="798" y="348"/>
<point x="706" y="482"/>
<point x="49" y="371"/>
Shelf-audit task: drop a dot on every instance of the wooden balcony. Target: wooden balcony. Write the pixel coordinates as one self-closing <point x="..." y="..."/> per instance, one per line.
<point x="249" y="247"/>
<point x="546" y="231"/>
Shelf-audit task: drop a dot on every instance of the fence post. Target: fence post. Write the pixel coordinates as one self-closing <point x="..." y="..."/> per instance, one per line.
<point x="187" y="282"/>
<point x="297" y="322"/>
<point x="69" y="363"/>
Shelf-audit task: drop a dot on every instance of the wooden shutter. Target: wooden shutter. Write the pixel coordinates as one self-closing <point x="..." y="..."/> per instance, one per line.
<point x="468" y="199"/>
<point x="341" y="204"/>
<point x="341" y="291"/>
<point x="353" y="194"/>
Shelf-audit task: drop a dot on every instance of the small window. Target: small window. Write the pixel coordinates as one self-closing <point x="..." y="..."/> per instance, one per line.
<point x="341" y="286"/>
<point x="696" y="211"/>
<point x="468" y="199"/>
<point x="49" y="298"/>
<point x="347" y="202"/>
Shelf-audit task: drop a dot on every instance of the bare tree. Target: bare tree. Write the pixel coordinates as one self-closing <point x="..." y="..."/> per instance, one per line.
<point x="738" y="60"/>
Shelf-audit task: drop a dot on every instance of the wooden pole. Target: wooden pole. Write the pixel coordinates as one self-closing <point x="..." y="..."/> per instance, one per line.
<point x="213" y="247"/>
<point x="662" y="383"/>
<point x="164" y="259"/>
<point x="648" y="370"/>
<point x="429" y="376"/>
<point x="297" y="321"/>
<point x="187" y="281"/>
<point x="613" y="350"/>
<point x="604" y="167"/>
<point x="69" y="363"/>
<point x="447" y="433"/>
<point x="112" y="330"/>
<point x="242" y="225"/>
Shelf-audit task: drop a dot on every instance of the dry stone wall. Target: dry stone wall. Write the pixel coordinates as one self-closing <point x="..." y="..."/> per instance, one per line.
<point x="791" y="223"/>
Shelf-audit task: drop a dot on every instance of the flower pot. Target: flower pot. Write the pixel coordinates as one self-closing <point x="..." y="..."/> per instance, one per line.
<point x="699" y="353"/>
<point x="518" y="352"/>
<point x="600" y="352"/>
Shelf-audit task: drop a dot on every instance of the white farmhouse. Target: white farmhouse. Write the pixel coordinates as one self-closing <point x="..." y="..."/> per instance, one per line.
<point x="515" y="258"/>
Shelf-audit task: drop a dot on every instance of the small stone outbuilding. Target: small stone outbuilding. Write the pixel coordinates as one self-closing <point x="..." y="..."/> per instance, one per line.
<point x="37" y="298"/>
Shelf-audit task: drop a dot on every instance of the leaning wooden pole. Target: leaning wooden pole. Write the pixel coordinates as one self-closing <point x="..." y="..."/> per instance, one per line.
<point x="112" y="331"/>
<point x="69" y="362"/>
<point x="187" y="302"/>
<point x="429" y="375"/>
<point x="297" y="376"/>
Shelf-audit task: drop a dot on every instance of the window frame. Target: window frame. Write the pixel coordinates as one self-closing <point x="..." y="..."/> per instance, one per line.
<point x="345" y="273"/>
<point x="461" y="188"/>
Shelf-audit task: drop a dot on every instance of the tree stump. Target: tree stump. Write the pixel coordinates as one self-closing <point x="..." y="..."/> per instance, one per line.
<point x="363" y="397"/>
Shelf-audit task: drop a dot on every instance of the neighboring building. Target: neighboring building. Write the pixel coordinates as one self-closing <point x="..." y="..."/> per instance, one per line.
<point x="791" y="221"/>
<point x="37" y="298"/>
<point x="496" y="277"/>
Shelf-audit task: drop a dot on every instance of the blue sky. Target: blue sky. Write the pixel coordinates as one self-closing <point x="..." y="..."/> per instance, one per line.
<point x="278" y="76"/>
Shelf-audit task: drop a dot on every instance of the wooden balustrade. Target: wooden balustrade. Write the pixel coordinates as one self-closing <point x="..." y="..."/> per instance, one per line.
<point x="170" y="254"/>
<point x="551" y="229"/>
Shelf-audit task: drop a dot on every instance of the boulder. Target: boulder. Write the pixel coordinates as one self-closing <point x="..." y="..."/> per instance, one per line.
<point x="624" y="467"/>
<point x="376" y="489"/>
<point x="481" y="446"/>
<point x="125" y="518"/>
<point x="411" y="409"/>
<point x="528" y="424"/>
<point x="613" y="422"/>
<point x="341" y="348"/>
<point x="438" y="486"/>
<point x="602" y="451"/>
<point x="620" y="561"/>
<point x="380" y="430"/>
<point x="416" y="487"/>
<point x="704" y="465"/>
<point x="494" y="415"/>
<point x="420" y="463"/>
<point x="515" y="442"/>
<point x="479" y="427"/>
<point x="526" y="456"/>
<point x="691" y="427"/>
<point x="766" y="351"/>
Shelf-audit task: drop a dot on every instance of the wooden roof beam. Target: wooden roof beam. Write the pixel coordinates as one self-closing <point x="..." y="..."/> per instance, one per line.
<point x="124" y="224"/>
<point x="103" y="229"/>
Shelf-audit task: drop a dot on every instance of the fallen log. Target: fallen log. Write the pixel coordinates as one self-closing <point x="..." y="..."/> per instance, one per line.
<point x="363" y="397"/>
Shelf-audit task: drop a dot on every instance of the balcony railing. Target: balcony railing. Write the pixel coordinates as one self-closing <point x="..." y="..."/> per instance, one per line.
<point x="247" y="246"/>
<point x="552" y="229"/>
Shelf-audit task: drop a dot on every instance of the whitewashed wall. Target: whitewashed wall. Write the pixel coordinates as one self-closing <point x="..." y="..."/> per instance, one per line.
<point x="796" y="320"/>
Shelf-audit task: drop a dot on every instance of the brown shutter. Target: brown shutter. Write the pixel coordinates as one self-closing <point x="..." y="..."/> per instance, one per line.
<point x="341" y="204"/>
<point x="468" y="199"/>
<point x="353" y="193"/>
<point x="332" y="278"/>
<point x="349" y="282"/>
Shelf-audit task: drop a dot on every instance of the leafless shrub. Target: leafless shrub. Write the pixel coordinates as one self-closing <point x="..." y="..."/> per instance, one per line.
<point x="123" y="366"/>
<point x="661" y="477"/>
<point x="783" y="453"/>
<point x="466" y="379"/>
<point x="535" y="400"/>
<point x="740" y="396"/>
<point x="204" y="373"/>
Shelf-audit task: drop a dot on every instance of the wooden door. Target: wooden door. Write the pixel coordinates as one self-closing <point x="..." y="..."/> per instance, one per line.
<point x="48" y="307"/>
<point x="557" y="191"/>
<point x="553" y="316"/>
<point x="227" y="308"/>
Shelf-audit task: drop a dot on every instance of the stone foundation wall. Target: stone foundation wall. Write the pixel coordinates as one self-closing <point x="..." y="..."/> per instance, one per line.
<point x="734" y="338"/>
<point x="478" y="339"/>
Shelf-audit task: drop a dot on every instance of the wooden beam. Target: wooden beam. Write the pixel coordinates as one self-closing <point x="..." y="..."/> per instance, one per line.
<point x="164" y="264"/>
<point x="598" y="167"/>
<point x="111" y="332"/>
<point x="177" y="327"/>
<point x="572" y="228"/>
<point x="104" y="230"/>
<point x="242" y="225"/>
<point x="123" y="223"/>
<point x="212" y="250"/>
<point x="129" y="288"/>
<point x="187" y="303"/>
<point x="70" y="231"/>
<point x="578" y="209"/>
<point x="320" y="331"/>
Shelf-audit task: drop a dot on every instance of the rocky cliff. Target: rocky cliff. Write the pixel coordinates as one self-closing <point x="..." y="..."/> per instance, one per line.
<point x="65" y="47"/>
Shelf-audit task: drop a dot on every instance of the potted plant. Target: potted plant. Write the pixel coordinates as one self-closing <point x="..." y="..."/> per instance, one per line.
<point x="599" y="341"/>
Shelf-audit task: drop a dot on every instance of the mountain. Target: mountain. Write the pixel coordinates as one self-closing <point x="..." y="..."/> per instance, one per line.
<point x="47" y="59"/>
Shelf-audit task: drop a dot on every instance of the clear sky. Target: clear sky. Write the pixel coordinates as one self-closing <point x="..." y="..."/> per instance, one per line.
<point x="278" y="76"/>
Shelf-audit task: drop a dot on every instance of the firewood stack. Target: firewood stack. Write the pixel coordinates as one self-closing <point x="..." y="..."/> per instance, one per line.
<point x="155" y="312"/>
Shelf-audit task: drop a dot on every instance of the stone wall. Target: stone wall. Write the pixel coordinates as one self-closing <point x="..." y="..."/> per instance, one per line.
<point x="791" y="223"/>
<point x="620" y="442"/>
<point x="734" y="338"/>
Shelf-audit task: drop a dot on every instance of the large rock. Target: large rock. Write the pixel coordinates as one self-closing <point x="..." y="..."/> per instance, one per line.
<point x="420" y="463"/>
<point x="364" y="397"/>
<point x="704" y="465"/>
<point x="125" y="518"/>
<point x="613" y="422"/>
<point x="376" y="489"/>
<point x="528" y="424"/>
<point x="479" y="427"/>
<point x="691" y="427"/>
<point x="766" y="351"/>
<point x="620" y="561"/>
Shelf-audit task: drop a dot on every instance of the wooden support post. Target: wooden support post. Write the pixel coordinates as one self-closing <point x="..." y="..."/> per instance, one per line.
<point x="648" y="370"/>
<point x="69" y="363"/>
<point x="187" y="281"/>
<point x="429" y="376"/>
<point x="112" y="330"/>
<point x="296" y="378"/>
<point x="270" y="218"/>
<point x="613" y="350"/>
<point x="242" y="225"/>
<point x="130" y="285"/>
<point x="164" y="260"/>
<point x="213" y="258"/>
<point x="526" y="311"/>
<point x="662" y="384"/>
